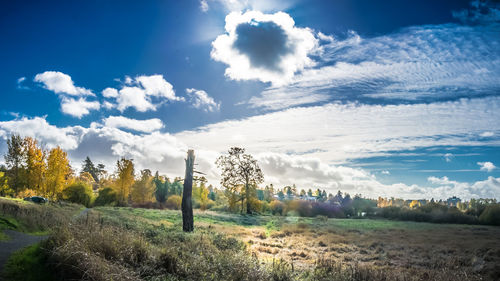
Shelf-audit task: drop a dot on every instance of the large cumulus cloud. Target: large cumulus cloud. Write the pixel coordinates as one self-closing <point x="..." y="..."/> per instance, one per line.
<point x="265" y="47"/>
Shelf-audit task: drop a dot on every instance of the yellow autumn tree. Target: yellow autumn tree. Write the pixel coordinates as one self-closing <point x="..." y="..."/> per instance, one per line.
<point x="142" y="190"/>
<point x="58" y="173"/>
<point x="200" y="194"/>
<point x="415" y="204"/>
<point x="35" y="165"/>
<point x="124" y="179"/>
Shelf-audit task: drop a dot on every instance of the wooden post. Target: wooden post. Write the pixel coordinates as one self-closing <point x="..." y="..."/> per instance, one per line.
<point x="187" y="205"/>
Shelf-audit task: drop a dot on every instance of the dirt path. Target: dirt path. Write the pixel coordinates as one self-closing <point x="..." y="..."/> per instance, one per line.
<point x="17" y="241"/>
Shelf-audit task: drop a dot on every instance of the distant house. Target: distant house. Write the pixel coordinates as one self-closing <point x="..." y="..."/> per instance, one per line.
<point x="453" y="201"/>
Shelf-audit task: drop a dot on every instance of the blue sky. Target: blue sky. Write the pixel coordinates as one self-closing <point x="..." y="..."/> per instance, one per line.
<point x="385" y="98"/>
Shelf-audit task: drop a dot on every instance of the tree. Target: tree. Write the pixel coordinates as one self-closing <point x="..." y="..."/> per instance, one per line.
<point x="200" y="193"/>
<point x="88" y="167"/>
<point x="310" y="193"/>
<point x="124" y="179"/>
<point x="142" y="190"/>
<point x="78" y="192"/>
<point x="160" y="188"/>
<point x="414" y="204"/>
<point x="58" y="172"/>
<point x="302" y="193"/>
<point x="106" y="196"/>
<point x="242" y="169"/>
<point x="15" y="161"/>
<point x="35" y="164"/>
<point x="269" y="193"/>
<point x="4" y="185"/>
<point x="187" y="204"/>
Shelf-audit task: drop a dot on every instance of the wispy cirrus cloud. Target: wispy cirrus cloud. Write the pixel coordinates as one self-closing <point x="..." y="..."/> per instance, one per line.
<point x="419" y="63"/>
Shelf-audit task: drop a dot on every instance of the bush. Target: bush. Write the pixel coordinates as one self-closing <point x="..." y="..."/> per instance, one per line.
<point x="79" y="193"/>
<point x="174" y="202"/>
<point x="277" y="207"/>
<point x="432" y="212"/>
<point x="107" y="196"/>
<point x="490" y="215"/>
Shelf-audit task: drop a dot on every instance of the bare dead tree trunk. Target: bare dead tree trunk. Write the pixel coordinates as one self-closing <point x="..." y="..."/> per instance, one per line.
<point x="187" y="205"/>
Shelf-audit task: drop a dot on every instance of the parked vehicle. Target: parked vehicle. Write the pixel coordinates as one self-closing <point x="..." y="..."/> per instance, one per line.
<point x="37" y="199"/>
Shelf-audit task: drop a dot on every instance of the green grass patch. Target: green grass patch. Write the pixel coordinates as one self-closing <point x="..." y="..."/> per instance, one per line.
<point x="28" y="264"/>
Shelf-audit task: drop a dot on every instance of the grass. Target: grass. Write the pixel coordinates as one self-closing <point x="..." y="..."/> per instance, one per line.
<point x="28" y="264"/>
<point x="113" y="243"/>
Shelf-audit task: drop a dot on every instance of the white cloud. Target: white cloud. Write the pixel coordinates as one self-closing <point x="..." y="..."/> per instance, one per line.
<point x="489" y="188"/>
<point x="385" y="172"/>
<point x="134" y="97"/>
<point x="20" y="82"/>
<point x="204" y="6"/>
<point x="487" y="134"/>
<point x="143" y="93"/>
<point x="156" y="85"/>
<point x="147" y="126"/>
<point x="165" y="152"/>
<point x="110" y="93"/>
<point x="448" y="157"/>
<point x="419" y="63"/>
<point x="265" y="47"/>
<point x="201" y="100"/>
<point x="38" y="127"/>
<point x="61" y="83"/>
<point x="78" y="107"/>
<point x="242" y="5"/>
<point x="486" y="166"/>
<point x="339" y="132"/>
<point x="108" y="105"/>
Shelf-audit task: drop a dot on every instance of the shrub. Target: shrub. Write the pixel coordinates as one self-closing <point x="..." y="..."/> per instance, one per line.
<point x="107" y="196"/>
<point x="490" y="215"/>
<point x="174" y="202"/>
<point x="79" y="193"/>
<point x="277" y="207"/>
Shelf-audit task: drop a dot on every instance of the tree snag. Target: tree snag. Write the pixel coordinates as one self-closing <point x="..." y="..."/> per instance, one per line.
<point x="187" y="205"/>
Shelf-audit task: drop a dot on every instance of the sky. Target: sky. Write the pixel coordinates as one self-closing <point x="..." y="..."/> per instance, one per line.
<point x="378" y="98"/>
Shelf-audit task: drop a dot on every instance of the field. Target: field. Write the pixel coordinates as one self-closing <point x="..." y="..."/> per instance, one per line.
<point x="122" y="243"/>
<point x="302" y="242"/>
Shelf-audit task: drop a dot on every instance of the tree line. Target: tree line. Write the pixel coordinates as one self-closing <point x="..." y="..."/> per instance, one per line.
<point x="32" y="170"/>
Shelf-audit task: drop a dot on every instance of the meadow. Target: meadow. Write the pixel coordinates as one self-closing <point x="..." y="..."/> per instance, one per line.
<point x="124" y="243"/>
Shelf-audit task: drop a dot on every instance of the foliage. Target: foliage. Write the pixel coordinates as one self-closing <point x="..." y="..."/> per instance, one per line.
<point x="15" y="161"/>
<point x="28" y="264"/>
<point x="89" y="167"/>
<point x="240" y="170"/>
<point x="4" y="185"/>
<point x="431" y="212"/>
<point x="35" y="164"/>
<point x="106" y="196"/>
<point x="58" y="172"/>
<point x="491" y="215"/>
<point x="174" y="202"/>
<point x="124" y="179"/>
<point x="79" y="193"/>
<point x="160" y="188"/>
<point x="142" y="189"/>
<point x="200" y="195"/>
